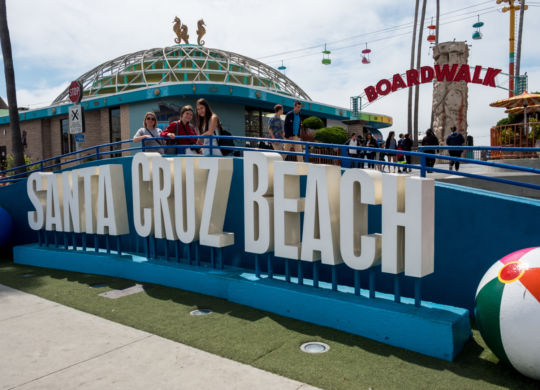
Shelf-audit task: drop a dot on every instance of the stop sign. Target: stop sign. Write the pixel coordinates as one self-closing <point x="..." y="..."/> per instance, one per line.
<point x="75" y="91"/>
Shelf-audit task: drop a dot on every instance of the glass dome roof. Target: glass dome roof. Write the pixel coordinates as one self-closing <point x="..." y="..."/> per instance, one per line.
<point x="182" y="64"/>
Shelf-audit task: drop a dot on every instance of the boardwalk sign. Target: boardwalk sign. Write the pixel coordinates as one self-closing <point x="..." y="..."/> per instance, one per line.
<point x="445" y="73"/>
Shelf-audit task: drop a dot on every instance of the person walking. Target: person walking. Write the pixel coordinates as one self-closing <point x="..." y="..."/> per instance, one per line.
<point x="275" y="127"/>
<point x="292" y="129"/>
<point x="455" y="139"/>
<point x="430" y="139"/>
<point x="382" y="153"/>
<point x="391" y="144"/>
<point x="371" y="142"/>
<point x="407" y="147"/>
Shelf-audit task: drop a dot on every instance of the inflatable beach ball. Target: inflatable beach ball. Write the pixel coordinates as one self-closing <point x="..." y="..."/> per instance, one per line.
<point x="508" y="310"/>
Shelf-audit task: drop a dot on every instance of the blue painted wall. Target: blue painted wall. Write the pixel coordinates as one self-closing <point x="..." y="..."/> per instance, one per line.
<point x="473" y="229"/>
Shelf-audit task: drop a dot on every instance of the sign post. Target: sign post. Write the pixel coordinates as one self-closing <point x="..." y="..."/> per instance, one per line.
<point x="76" y="121"/>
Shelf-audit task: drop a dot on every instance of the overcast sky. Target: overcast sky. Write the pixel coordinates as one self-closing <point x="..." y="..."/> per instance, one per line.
<point x="56" y="41"/>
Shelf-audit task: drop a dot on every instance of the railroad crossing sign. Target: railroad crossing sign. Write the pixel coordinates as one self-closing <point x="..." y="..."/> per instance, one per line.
<point x="76" y="124"/>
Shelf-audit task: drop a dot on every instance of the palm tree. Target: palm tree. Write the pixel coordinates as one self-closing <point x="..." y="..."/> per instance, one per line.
<point x="418" y="58"/>
<point x="409" y="112"/>
<point x="437" y="23"/>
<point x="16" y="144"/>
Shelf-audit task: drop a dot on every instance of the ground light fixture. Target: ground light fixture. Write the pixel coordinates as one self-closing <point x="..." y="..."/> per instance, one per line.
<point x="314" y="347"/>
<point x="27" y="275"/>
<point x="200" y="312"/>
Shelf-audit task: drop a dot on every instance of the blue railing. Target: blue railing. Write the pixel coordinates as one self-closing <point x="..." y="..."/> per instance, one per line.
<point x="153" y="248"/>
<point x="309" y="154"/>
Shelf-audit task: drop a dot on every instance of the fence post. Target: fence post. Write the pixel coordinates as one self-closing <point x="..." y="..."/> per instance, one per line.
<point x="41" y="166"/>
<point x="423" y="165"/>
<point x="211" y="144"/>
<point x="306" y="151"/>
<point x="97" y="152"/>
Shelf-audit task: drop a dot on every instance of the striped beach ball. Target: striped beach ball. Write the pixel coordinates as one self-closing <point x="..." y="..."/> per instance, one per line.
<point x="507" y="310"/>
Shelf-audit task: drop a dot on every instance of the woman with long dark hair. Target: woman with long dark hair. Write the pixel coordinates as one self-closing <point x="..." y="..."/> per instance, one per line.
<point x="391" y="143"/>
<point x="371" y="142"/>
<point x="208" y="124"/>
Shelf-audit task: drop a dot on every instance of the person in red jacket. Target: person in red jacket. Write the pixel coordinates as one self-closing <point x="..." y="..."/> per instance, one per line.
<point x="180" y="128"/>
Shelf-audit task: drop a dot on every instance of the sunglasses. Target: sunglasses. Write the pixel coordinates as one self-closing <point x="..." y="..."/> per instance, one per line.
<point x="150" y="118"/>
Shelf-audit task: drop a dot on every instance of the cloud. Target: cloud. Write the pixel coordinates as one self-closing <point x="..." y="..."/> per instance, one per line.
<point x="58" y="40"/>
<point x="38" y="97"/>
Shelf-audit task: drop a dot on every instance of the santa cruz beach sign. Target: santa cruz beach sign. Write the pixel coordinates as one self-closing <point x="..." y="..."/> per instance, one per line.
<point x="185" y="199"/>
<point x="309" y="213"/>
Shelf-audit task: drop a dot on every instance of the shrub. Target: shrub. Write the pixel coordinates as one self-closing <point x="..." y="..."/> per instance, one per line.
<point x="512" y="118"/>
<point x="535" y="131"/>
<point x="506" y="136"/>
<point x="10" y="163"/>
<point x="503" y="121"/>
<point x="313" y="122"/>
<point x="331" y="135"/>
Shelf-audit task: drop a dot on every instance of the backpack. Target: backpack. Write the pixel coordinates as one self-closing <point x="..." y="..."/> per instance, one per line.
<point x="226" y="142"/>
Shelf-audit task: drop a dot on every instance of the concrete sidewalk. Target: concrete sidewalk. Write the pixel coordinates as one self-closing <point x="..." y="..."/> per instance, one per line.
<point x="44" y="345"/>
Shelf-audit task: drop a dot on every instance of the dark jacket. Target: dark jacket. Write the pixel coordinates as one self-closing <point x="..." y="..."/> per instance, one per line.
<point x="288" y="125"/>
<point x="430" y="140"/>
<point x="407" y="144"/>
<point x="455" y="139"/>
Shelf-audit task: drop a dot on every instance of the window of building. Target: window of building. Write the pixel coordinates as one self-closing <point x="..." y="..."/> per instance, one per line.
<point x="114" y="129"/>
<point x="67" y="141"/>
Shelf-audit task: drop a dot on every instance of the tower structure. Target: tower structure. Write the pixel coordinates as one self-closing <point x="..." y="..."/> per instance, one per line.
<point x="450" y="99"/>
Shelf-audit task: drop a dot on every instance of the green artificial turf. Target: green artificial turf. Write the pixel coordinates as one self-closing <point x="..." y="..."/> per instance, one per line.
<point x="266" y="340"/>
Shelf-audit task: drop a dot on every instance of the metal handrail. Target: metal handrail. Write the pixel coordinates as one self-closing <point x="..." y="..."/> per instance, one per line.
<point x="422" y="167"/>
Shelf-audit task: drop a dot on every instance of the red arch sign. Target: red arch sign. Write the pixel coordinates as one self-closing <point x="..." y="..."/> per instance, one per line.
<point x="426" y="74"/>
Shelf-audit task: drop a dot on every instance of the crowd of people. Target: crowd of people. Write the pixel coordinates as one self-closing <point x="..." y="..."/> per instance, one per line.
<point x="206" y="123"/>
<point x="403" y="143"/>
<point x="203" y="121"/>
<point x="455" y="138"/>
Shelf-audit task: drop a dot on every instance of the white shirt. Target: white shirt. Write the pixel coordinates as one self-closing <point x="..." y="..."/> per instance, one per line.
<point x="353" y="142"/>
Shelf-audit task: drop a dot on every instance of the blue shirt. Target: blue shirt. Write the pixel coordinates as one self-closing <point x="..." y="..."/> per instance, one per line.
<point x="296" y="124"/>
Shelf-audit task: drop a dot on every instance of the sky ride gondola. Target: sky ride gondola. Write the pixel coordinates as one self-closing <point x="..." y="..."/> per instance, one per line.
<point x="431" y="38"/>
<point x="478" y="25"/>
<point x="326" y="56"/>
<point x="365" y="55"/>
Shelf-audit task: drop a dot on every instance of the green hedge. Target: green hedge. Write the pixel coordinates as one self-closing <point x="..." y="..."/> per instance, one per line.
<point x="331" y="135"/>
<point x="313" y="122"/>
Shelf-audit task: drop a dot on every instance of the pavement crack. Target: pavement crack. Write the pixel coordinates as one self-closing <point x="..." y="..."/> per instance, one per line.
<point x="30" y="313"/>
<point x="84" y="361"/>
